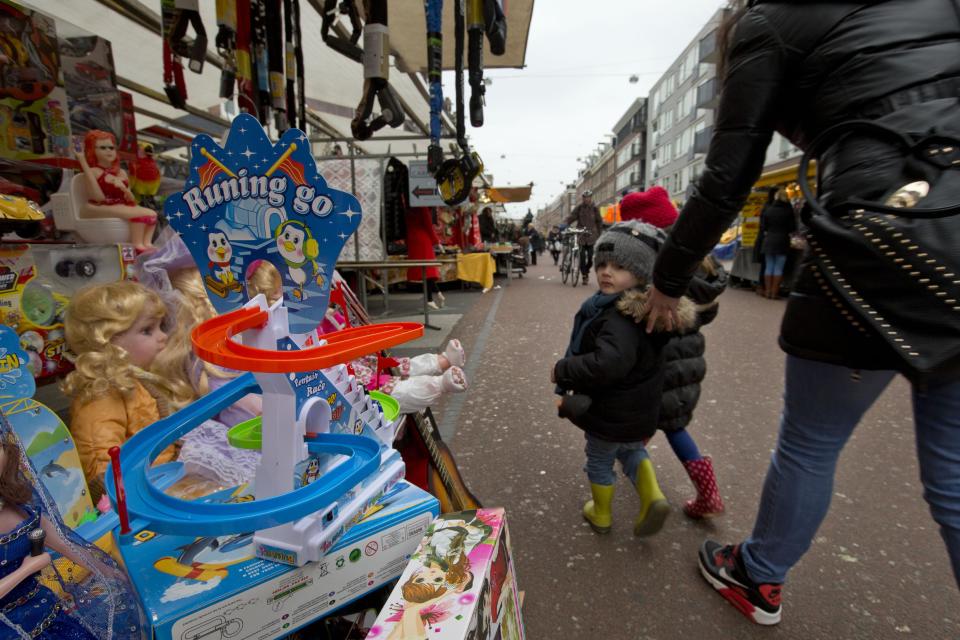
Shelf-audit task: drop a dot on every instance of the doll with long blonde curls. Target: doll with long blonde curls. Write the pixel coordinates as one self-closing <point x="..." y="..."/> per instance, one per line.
<point x="205" y="451"/>
<point x="108" y="189"/>
<point x="114" y="331"/>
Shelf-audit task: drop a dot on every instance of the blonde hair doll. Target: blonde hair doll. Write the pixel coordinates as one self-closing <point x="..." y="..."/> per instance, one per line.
<point x="114" y="331"/>
<point x="205" y="450"/>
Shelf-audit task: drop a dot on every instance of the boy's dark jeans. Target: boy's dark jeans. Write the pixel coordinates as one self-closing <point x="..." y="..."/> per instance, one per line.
<point x="601" y="455"/>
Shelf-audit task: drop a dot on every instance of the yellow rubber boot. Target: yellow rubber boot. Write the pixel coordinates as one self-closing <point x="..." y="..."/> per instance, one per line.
<point x="654" y="507"/>
<point x="597" y="511"/>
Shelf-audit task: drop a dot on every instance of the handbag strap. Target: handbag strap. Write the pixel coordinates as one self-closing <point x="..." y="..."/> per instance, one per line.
<point x="926" y="150"/>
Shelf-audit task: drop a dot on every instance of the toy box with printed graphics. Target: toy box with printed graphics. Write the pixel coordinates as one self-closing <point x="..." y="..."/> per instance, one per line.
<point x="33" y="103"/>
<point x="459" y="585"/>
<point x="36" y="283"/>
<point x="90" y="79"/>
<point x="214" y="587"/>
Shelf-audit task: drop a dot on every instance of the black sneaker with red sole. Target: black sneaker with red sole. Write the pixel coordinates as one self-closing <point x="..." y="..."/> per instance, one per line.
<point x="722" y="566"/>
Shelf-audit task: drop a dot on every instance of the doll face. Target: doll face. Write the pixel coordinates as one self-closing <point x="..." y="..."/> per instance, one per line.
<point x="106" y="152"/>
<point x="142" y="341"/>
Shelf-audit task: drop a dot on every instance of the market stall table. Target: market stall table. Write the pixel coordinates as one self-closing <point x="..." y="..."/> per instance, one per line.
<point x="361" y="266"/>
<point x="505" y="252"/>
<point x="476" y="267"/>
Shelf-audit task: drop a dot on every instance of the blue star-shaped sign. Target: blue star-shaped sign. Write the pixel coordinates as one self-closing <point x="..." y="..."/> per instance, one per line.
<point x="237" y="214"/>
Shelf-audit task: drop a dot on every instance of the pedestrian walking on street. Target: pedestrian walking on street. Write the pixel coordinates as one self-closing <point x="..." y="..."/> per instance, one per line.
<point x="586" y="216"/>
<point x="684" y="364"/>
<point x="611" y="377"/>
<point x="875" y="85"/>
<point x="553" y="243"/>
<point x="536" y="242"/>
<point x="777" y="223"/>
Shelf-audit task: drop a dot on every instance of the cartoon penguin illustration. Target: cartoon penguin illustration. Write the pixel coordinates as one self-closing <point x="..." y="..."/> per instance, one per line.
<point x="312" y="473"/>
<point x="299" y="250"/>
<point x="220" y="253"/>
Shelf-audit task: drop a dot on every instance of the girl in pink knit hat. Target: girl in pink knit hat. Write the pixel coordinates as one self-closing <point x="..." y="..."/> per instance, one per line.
<point x="685" y="366"/>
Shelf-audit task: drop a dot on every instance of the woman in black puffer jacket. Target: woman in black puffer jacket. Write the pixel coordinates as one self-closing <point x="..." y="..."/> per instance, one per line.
<point x="801" y="68"/>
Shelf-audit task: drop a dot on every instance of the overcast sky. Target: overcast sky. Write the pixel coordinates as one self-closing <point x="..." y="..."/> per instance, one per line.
<point x="576" y="86"/>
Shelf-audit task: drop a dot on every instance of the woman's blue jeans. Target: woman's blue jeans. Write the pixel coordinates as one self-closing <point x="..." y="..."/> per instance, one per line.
<point x="822" y="405"/>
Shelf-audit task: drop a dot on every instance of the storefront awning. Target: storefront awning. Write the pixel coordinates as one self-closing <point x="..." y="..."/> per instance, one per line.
<point x="408" y="35"/>
<point x="509" y="194"/>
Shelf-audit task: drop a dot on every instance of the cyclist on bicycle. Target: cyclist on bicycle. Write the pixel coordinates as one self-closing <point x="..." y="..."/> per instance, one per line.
<point x="586" y="216"/>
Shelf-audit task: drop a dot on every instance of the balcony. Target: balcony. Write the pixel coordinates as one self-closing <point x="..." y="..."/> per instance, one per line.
<point x="708" y="94"/>
<point x="709" y="51"/>
<point x="701" y="140"/>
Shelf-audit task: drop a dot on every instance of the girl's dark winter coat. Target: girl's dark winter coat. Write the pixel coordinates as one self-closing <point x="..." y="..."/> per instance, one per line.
<point x="620" y="367"/>
<point x="685" y="366"/>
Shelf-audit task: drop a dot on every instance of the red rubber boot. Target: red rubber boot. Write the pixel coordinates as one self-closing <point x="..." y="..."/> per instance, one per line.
<point x="708" y="502"/>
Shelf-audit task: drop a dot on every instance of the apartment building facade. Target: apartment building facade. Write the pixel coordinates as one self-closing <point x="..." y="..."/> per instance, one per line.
<point x="630" y="147"/>
<point x="680" y="113"/>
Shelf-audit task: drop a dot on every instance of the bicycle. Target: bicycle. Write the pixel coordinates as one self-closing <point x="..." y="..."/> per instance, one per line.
<point x="570" y="257"/>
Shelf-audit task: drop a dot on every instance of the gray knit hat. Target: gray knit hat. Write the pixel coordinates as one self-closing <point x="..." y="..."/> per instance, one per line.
<point x="633" y="245"/>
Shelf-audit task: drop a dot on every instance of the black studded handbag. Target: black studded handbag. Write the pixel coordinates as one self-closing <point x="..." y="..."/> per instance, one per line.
<point x="893" y="267"/>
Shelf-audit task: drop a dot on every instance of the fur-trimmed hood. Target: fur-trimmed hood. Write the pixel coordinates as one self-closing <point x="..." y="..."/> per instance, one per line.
<point x="633" y="304"/>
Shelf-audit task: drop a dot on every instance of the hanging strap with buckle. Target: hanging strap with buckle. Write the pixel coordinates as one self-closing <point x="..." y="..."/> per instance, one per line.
<point x="455" y="175"/>
<point x="276" y="64"/>
<point x="246" y="92"/>
<point x="187" y="14"/>
<point x="376" y="73"/>
<point x="226" y="43"/>
<point x="434" y="13"/>
<point x="294" y="62"/>
<point x="173" y="83"/>
<point x="343" y="46"/>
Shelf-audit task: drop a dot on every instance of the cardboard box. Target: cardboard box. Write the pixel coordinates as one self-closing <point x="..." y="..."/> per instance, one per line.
<point x="34" y="296"/>
<point x="459" y="585"/>
<point x="90" y="79"/>
<point x="33" y="103"/>
<point x="214" y="587"/>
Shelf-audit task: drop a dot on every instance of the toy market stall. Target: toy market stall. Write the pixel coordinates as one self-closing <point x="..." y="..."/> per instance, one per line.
<point x="216" y="436"/>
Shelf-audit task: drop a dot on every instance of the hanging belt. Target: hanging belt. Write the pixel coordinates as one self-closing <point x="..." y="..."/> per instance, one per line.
<point x="376" y="71"/>
<point x="434" y="11"/>
<point x="226" y="42"/>
<point x="187" y="14"/>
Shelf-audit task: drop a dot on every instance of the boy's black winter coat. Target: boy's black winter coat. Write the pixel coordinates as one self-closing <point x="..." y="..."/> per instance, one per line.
<point x="621" y="369"/>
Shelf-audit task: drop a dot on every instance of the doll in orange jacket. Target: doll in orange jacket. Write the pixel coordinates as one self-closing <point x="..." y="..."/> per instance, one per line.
<point x="114" y="330"/>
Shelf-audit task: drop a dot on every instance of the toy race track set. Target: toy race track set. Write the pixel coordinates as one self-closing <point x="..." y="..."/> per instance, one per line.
<point x="326" y="445"/>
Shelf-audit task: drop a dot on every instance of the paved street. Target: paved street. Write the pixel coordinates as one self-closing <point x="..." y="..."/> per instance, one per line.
<point x="878" y="568"/>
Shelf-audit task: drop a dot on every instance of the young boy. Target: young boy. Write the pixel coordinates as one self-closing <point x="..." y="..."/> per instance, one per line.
<point x="612" y="375"/>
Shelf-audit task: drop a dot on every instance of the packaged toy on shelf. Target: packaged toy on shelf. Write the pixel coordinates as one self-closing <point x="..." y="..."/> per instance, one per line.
<point x="459" y="585"/>
<point x="36" y="283"/>
<point x="33" y="103"/>
<point x="194" y="586"/>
